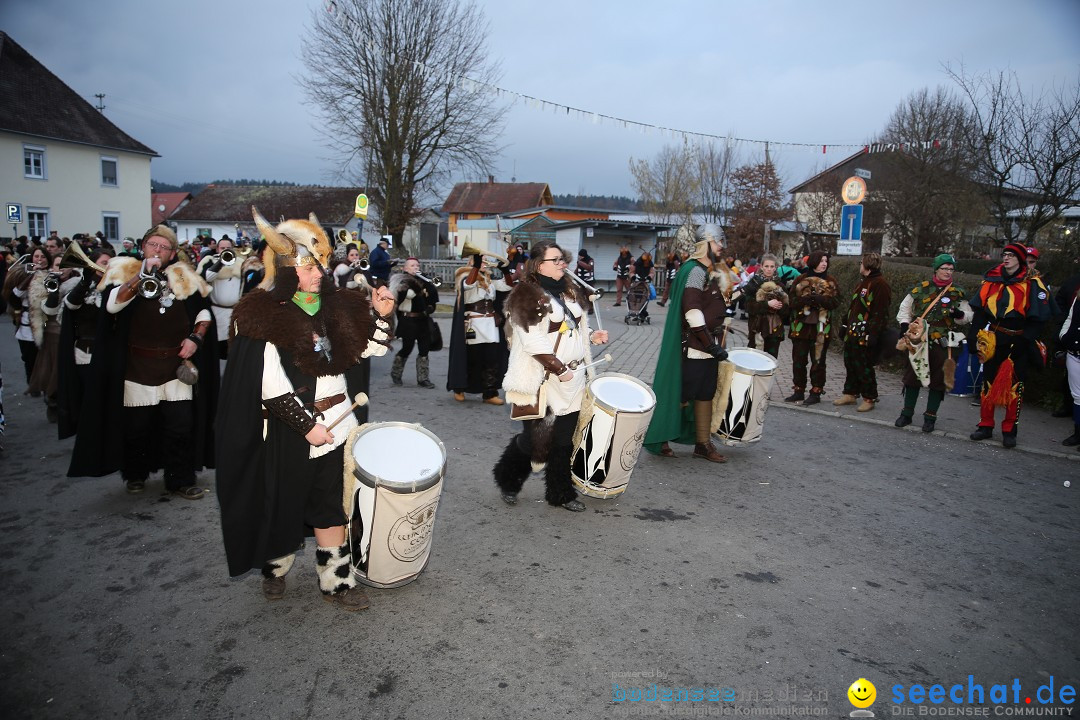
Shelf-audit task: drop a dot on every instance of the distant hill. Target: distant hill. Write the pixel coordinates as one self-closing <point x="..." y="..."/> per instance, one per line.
<point x="196" y="187"/>
<point x="599" y="202"/>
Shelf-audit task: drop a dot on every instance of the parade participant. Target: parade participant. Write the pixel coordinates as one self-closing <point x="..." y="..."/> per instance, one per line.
<point x="691" y="350"/>
<point x="766" y="303"/>
<point x="17" y="287"/>
<point x="586" y="267"/>
<point x="145" y="407"/>
<point x="515" y="263"/>
<point x="45" y="297"/>
<point x="672" y="264"/>
<point x="622" y="266"/>
<point x="226" y="287"/>
<point x="477" y="341"/>
<point x="947" y="310"/>
<point x="416" y="299"/>
<point x="129" y="248"/>
<point x="644" y="268"/>
<point x="380" y="263"/>
<point x="78" y="327"/>
<point x="1069" y="341"/>
<point x="867" y="316"/>
<point x="813" y="297"/>
<point x="296" y="366"/>
<point x="252" y="270"/>
<point x="550" y="336"/>
<point x="346" y="269"/>
<point x="1010" y="309"/>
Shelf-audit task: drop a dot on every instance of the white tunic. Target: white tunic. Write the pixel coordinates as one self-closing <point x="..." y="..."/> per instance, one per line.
<point x="562" y="397"/>
<point x="486" y="329"/>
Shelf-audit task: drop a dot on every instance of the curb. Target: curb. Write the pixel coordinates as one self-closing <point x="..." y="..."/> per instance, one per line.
<point x="951" y="434"/>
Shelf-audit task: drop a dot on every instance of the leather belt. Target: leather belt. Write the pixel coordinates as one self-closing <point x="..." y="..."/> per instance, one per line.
<point x="412" y="314"/>
<point x="575" y="364"/>
<point x="480" y="315"/>
<point x="154" y="353"/>
<point x="1006" y="331"/>
<point x="87" y="346"/>
<point x="481" y="306"/>
<point x="319" y="406"/>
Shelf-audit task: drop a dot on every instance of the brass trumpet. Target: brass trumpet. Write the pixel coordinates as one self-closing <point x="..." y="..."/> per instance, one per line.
<point x="362" y="265"/>
<point x="52" y="282"/>
<point x="151" y="285"/>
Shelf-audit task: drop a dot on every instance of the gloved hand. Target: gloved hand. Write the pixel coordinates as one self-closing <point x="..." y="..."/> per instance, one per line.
<point x="717" y="351"/>
<point x="903" y="328"/>
<point x="477" y="261"/>
<point x="957" y="314"/>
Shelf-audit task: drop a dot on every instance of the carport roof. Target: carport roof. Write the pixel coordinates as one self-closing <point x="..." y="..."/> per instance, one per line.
<point x="616" y="225"/>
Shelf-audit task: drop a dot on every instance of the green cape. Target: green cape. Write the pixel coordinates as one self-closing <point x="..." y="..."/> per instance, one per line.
<point x="670" y="421"/>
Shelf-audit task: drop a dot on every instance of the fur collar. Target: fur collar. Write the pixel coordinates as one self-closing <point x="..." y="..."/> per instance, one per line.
<point x="345" y="315"/>
<point x="182" y="279"/>
<point x="528" y="304"/>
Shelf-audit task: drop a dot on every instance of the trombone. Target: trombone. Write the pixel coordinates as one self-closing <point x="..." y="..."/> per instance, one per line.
<point x="436" y="281"/>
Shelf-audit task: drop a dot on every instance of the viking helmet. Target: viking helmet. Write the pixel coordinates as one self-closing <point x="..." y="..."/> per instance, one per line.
<point x="294" y="243"/>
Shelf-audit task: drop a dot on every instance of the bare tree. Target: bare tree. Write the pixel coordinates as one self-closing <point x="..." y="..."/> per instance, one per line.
<point x="757" y="202"/>
<point x="714" y="173"/>
<point x="1026" y="146"/>
<point x="400" y="87"/>
<point x="928" y="198"/>
<point x="667" y="185"/>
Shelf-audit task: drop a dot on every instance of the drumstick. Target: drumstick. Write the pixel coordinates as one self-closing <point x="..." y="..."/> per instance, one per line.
<point x="606" y="358"/>
<point x="361" y="399"/>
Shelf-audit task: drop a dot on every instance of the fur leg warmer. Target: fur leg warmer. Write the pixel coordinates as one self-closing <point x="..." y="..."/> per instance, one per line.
<point x="334" y="569"/>
<point x="423" y="374"/>
<point x="397" y="369"/>
<point x="558" y="487"/>
<point x="279" y="567"/>
<point x="513" y="468"/>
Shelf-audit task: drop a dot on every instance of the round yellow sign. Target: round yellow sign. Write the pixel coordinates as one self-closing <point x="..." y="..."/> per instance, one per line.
<point x="361" y="206"/>
<point x="854" y="190"/>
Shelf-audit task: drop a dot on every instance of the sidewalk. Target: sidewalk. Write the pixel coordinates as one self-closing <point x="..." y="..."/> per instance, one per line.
<point x="635" y="348"/>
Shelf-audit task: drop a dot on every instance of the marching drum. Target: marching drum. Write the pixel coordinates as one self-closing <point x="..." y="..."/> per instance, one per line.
<point x="611" y="429"/>
<point x="393" y="479"/>
<point x="742" y="397"/>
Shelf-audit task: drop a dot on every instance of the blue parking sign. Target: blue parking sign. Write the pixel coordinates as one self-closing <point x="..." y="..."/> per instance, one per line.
<point x="851" y="222"/>
<point x="14" y="213"/>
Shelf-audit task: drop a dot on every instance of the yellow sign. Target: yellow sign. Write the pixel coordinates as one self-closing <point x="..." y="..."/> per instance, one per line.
<point x="854" y="190"/>
<point x="361" y="206"/>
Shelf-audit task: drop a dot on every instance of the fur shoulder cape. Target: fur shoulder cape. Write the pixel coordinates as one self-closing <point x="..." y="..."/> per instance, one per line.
<point x="181" y="277"/>
<point x="528" y="303"/>
<point x="345" y="316"/>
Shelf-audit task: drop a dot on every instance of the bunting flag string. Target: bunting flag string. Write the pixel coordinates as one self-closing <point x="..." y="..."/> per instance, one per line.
<point x="469" y="85"/>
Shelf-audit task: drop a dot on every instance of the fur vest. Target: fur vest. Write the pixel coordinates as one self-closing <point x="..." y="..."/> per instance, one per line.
<point x="182" y="278"/>
<point x="226" y="271"/>
<point x="344" y="316"/>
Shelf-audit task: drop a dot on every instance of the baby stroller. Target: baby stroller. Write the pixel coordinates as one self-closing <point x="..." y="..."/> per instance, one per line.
<point x="637" y="301"/>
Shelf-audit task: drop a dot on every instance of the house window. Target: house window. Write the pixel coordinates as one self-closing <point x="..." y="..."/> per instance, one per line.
<point x="34" y="162"/>
<point x="37" y="221"/>
<point x="204" y="232"/>
<point x="110" y="225"/>
<point x="108" y="171"/>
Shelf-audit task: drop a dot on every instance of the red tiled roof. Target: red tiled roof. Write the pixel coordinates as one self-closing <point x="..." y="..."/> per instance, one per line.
<point x="491" y="197"/>
<point x="35" y="102"/>
<point x="232" y="203"/>
<point x="170" y="201"/>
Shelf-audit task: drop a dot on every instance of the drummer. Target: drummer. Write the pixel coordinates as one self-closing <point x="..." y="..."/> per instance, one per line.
<point x="548" y="318"/>
<point x="294" y="368"/>
<point x="687" y="377"/>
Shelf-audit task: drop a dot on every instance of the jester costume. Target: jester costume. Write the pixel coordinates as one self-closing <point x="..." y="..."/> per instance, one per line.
<point x="1010" y="309"/>
<point x="866" y="318"/>
<point x="813" y="298"/>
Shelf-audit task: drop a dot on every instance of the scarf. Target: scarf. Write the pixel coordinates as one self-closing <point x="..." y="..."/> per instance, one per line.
<point x="308" y="302"/>
<point x="1002" y="293"/>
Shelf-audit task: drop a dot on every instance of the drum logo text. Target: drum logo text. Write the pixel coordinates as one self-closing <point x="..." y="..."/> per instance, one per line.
<point x="411" y="534"/>
<point x="632" y="448"/>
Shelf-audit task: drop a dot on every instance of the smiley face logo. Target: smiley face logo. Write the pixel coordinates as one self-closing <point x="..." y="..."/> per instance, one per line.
<point x="862" y="693"/>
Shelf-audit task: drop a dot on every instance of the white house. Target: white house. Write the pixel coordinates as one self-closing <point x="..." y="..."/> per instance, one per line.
<point x="66" y="165"/>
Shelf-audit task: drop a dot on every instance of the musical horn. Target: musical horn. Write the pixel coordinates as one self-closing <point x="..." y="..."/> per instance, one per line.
<point x="343" y="236"/>
<point x="436" y="281"/>
<point x="468" y="250"/>
<point x="74" y="257"/>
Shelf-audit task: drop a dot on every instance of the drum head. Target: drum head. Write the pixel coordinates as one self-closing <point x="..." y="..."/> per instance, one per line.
<point x="400" y="456"/>
<point x="752" y="362"/>
<point x="622" y="392"/>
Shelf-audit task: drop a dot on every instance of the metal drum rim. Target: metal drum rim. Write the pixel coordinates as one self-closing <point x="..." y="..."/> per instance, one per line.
<point x="372" y="481"/>
<point x="753" y="371"/>
<point x="612" y="409"/>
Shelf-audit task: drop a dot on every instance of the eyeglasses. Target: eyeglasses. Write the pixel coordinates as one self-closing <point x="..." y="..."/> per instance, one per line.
<point x="157" y="246"/>
<point x="557" y="261"/>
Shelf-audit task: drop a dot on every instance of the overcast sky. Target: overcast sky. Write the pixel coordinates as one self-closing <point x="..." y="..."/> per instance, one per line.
<point x="211" y="84"/>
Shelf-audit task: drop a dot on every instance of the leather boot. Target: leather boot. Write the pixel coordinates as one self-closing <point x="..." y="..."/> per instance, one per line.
<point x="845" y="399"/>
<point x="796" y="396"/>
<point x="396" y="369"/>
<point x="273" y="584"/>
<point x="336" y="581"/>
<point x="422" y="378"/>
<point x="706" y="451"/>
<point x="1073" y="439"/>
<point x="866" y="405"/>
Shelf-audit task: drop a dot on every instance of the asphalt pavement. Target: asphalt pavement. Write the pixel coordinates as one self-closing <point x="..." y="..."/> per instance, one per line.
<point x="836" y="548"/>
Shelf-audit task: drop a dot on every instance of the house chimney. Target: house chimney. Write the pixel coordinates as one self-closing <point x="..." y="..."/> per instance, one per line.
<point x="491" y="179"/>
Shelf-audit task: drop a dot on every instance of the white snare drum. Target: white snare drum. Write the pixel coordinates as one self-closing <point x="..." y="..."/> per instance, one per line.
<point x="743" y="402"/>
<point x="611" y="429"/>
<point x="392" y="488"/>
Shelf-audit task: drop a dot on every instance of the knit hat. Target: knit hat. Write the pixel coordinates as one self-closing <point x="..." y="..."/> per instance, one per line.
<point x="942" y="259"/>
<point x="1016" y="249"/>
<point x="1032" y="252"/>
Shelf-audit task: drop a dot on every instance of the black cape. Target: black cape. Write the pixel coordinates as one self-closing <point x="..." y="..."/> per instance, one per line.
<point x="99" y="445"/>
<point x="457" y="375"/>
